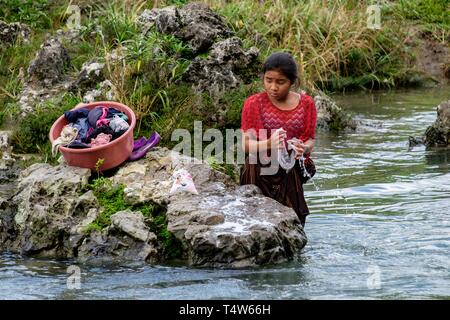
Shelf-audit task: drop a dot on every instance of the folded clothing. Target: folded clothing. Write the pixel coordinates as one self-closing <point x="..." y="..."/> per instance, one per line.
<point x="68" y="134"/>
<point x="101" y="139"/>
<point x="73" y="115"/>
<point x="105" y="129"/>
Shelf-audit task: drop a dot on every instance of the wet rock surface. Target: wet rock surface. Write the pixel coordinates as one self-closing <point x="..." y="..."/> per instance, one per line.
<point x="331" y="117"/>
<point x="438" y="134"/>
<point x="224" y="225"/>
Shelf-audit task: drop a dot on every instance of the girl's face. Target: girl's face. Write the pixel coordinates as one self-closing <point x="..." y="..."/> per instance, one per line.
<point x="276" y="84"/>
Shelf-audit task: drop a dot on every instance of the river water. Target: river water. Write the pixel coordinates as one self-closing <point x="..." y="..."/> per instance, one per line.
<point x="379" y="226"/>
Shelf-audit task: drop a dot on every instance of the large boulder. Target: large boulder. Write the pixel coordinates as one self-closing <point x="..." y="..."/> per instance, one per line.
<point x="330" y="116"/>
<point x="438" y="134"/>
<point x="224" y="224"/>
<point x="47" y="204"/>
<point x="50" y="211"/>
<point x="49" y="65"/>
<point x="46" y="77"/>
<point x="195" y="24"/>
<point x="223" y="69"/>
<point x="227" y="65"/>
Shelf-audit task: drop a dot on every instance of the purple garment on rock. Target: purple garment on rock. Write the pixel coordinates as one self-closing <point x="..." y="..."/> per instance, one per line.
<point x="152" y="142"/>
<point x="139" y="143"/>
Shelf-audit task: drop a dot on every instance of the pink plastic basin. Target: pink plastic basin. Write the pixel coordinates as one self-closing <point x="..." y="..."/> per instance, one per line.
<point x="113" y="153"/>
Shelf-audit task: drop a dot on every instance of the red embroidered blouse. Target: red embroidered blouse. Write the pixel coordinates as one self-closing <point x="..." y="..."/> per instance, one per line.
<point x="260" y="113"/>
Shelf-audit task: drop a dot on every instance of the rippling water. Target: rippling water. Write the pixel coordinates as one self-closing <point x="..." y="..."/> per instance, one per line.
<point x="379" y="226"/>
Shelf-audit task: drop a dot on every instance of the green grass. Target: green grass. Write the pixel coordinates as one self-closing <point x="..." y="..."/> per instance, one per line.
<point x="30" y="134"/>
<point x="111" y="200"/>
<point x="330" y="40"/>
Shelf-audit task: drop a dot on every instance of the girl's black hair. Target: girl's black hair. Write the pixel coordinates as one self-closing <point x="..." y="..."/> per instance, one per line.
<point x="283" y="62"/>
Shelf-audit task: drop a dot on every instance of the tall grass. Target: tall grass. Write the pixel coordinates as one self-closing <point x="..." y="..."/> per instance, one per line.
<point x="432" y="16"/>
<point x="330" y="40"/>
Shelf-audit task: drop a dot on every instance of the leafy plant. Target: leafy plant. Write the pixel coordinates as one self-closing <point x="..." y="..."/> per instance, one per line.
<point x="31" y="133"/>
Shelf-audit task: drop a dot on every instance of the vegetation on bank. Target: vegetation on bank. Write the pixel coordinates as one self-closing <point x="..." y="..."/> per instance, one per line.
<point x="331" y="41"/>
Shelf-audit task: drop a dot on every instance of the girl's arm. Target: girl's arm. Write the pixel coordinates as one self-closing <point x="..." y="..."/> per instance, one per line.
<point x="251" y="144"/>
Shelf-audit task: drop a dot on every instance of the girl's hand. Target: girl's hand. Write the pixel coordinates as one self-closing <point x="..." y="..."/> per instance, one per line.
<point x="277" y="139"/>
<point x="299" y="147"/>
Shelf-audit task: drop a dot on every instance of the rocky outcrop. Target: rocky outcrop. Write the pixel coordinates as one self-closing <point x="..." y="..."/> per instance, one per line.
<point x="221" y="70"/>
<point x="9" y="170"/>
<point x="9" y="33"/>
<point x="49" y="65"/>
<point x="46" y="75"/>
<point x="195" y="24"/>
<point x="227" y="65"/>
<point x="330" y="116"/>
<point x="49" y="214"/>
<point x="223" y="225"/>
<point x="438" y="134"/>
<point x="90" y="75"/>
<point x="48" y="206"/>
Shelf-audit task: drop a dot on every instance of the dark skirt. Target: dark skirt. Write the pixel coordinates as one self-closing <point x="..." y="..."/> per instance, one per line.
<point x="284" y="187"/>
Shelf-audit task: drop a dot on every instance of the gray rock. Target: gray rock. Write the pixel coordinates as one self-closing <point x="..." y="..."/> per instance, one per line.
<point x="195" y="23"/>
<point x="222" y="70"/>
<point x="414" y="141"/>
<point x="201" y="27"/>
<point x="132" y="224"/>
<point x="47" y="205"/>
<point x="6" y="160"/>
<point x="105" y="91"/>
<point x="438" y="134"/>
<point x="90" y="75"/>
<point x="5" y="140"/>
<point x="111" y="244"/>
<point x="10" y="32"/>
<point x="332" y="117"/>
<point x="49" y="65"/>
<point x="225" y="224"/>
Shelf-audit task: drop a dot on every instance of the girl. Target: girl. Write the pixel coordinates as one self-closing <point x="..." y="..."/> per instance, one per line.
<point x="269" y="120"/>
